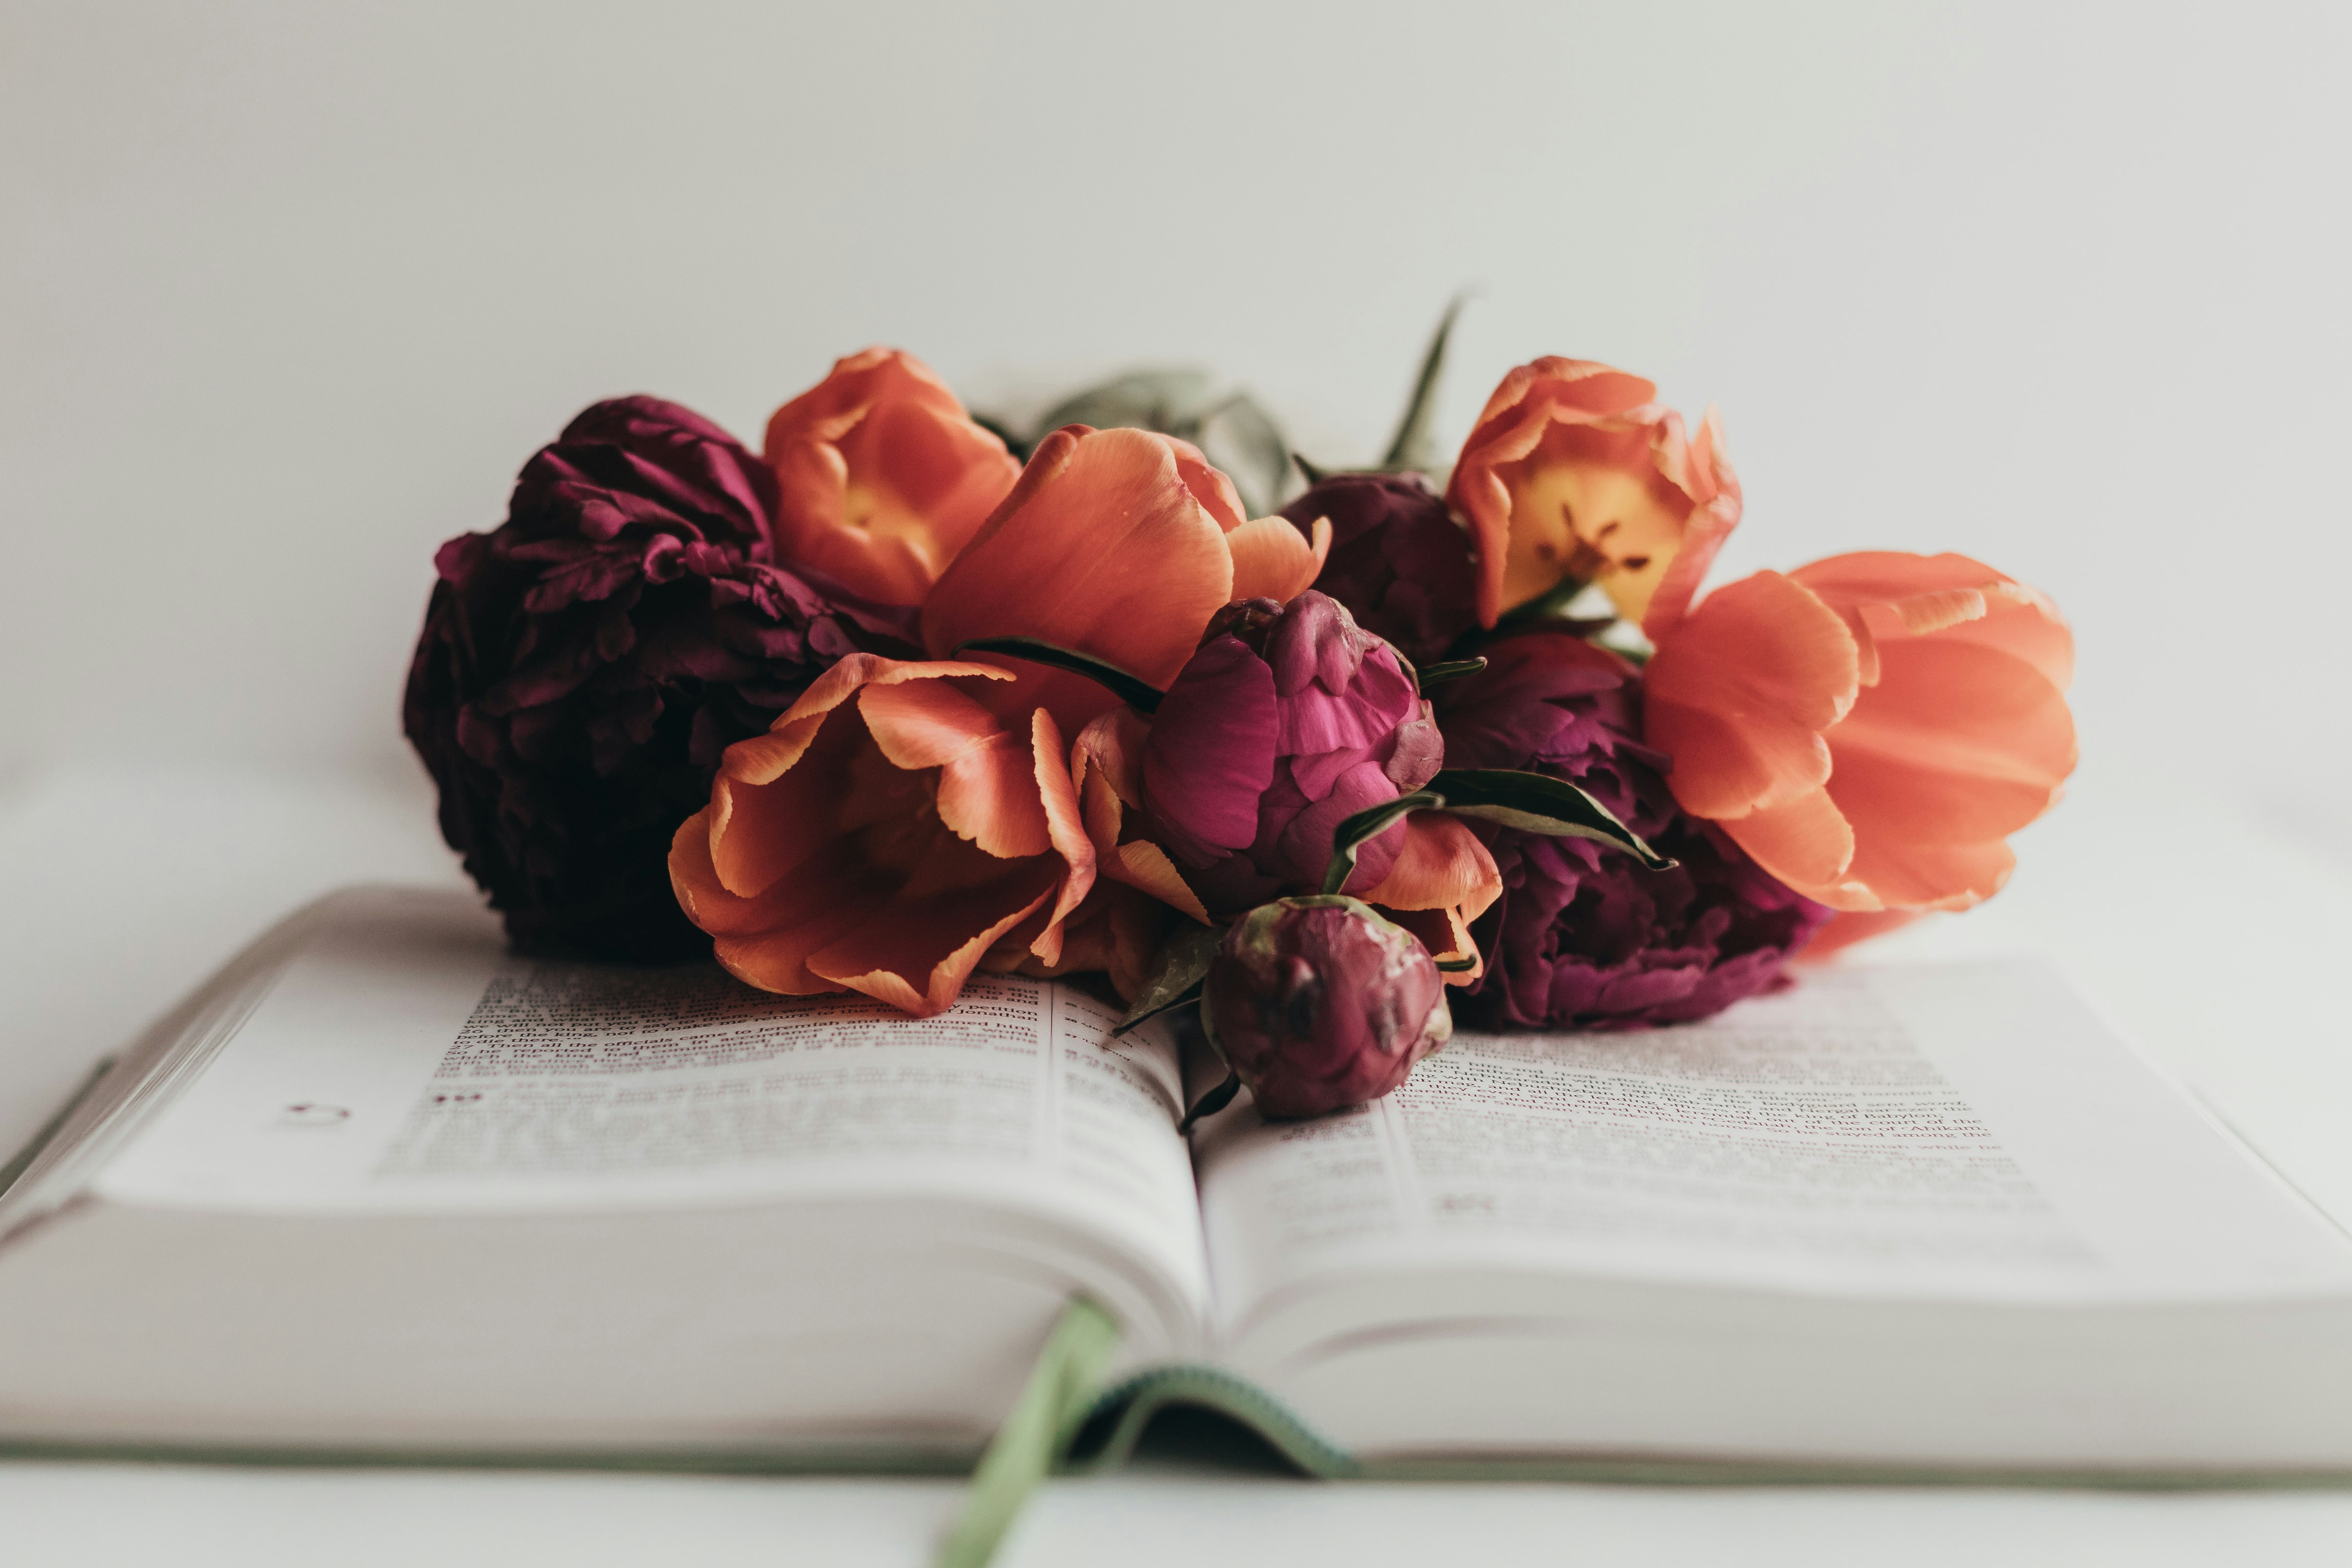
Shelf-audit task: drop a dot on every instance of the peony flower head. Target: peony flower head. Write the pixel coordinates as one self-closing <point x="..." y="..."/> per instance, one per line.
<point x="1317" y="1003"/>
<point x="1574" y="472"/>
<point x="882" y="477"/>
<point x="1869" y="728"/>
<point x="1286" y="721"/>
<point x="583" y="666"/>
<point x="1581" y="935"/>
<point x="1398" y="562"/>
<point x="908" y="822"/>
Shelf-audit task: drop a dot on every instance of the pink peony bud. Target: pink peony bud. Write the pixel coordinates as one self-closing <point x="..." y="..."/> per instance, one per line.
<point x="1319" y="1002"/>
<point x="1289" y="720"/>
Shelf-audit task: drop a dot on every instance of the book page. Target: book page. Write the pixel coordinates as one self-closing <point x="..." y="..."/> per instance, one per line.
<point x="404" y="1063"/>
<point x="1972" y="1130"/>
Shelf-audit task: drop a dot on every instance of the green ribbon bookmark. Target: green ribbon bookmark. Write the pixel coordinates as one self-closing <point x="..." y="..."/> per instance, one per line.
<point x="1061" y="1389"/>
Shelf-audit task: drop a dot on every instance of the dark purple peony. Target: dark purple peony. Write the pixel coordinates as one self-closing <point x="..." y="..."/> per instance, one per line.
<point x="1319" y="1002"/>
<point x="583" y="667"/>
<point x="1399" y="560"/>
<point x="1582" y="936"/>
<point x="1288" y="720"/>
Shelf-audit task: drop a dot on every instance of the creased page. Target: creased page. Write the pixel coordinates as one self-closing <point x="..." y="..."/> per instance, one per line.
<point x="404" y="1063"/>
<point x="1972" y="1130"/>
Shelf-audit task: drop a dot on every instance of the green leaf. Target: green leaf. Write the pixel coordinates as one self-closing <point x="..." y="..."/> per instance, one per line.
<point x="1314" y="474"/>
<point x="1239" y="437"/>
<point x="1168" y="401"/>
<point x="1533" y="803"/>
<point x="1354" y="832"/>
<point x="1411" y="447"/>
<point x="1129" y="688"/>
<point x="1456" y="966"/>
<point x="1175" y="979"/>
<point x="1451" y="669"/>
<point x="1210" y="1103"/>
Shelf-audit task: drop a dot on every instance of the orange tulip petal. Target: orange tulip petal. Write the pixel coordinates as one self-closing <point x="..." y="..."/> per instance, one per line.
<point x="1529" y="402"/>
<point x="760" y="834"/>
<point x="1911" y="875"/>
<point x="2024" y="624"/>
<point x="1057" y="795"/>
<point x="828" y="898"/>
<point x="921" y="946"/>
<point x="926" y="724"/>
<point x="1209" y="485"/>
<point x="773" y="803"/>
<point x="1144" y="866"/>
<point x="1447" y="937"/>
<point x="1844" y="930"/>
<point x="1715" y="490"/>
<point x="988" y="797"/>
<point x="1957" y="742"/>
<point x="1441" y="865"/>
<point x="1739" y="694"/>
<point x="1271" y="560"/>
<point x="763" y="758"/>
<point x="1807" y="844"/>
<point x="1100" y="548"/>
<point x="706" y="899"/>
<point x="882" y="477"/>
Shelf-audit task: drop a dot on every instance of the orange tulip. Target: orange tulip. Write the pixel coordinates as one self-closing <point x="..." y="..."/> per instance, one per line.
<point x="883" y="477"/>
<point x="1574" y="471"/>
<point x="905" y="822"/>
<point x="1869" y="728"/>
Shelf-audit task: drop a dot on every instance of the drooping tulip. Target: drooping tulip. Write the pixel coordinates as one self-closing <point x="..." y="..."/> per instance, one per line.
<point x="1869" y="728"/>
<point x="1575" y="473"/>
<point x="1317" y="1003"/>
<point x="882" y="476"/>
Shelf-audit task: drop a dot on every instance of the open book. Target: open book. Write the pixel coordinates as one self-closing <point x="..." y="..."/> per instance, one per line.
<point x="384" y="1188"/>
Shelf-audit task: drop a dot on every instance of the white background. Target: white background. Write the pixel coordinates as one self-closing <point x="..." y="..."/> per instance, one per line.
<point x="289" y="291"/>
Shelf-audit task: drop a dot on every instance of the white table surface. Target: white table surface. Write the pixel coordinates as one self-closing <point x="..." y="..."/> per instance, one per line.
<point x="2213" y="939"/>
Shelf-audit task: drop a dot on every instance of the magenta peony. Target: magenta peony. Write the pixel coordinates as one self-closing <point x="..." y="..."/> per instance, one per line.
<point x="1582" y="936"/>
<point x="1398" y="562"/>
<point x="1319" y="1002"/>
<point x="1288" y="720"/>
<point x="583" y="666"/>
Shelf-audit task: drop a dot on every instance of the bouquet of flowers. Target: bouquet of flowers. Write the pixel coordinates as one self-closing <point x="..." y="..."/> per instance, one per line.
<point x="907" y="695"/>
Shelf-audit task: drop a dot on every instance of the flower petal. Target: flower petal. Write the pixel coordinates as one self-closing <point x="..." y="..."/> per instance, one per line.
<point x="1808" y="844"/>
<point x="1740" y="692"/>
<point x="1714" y="490"/>
<point x="1957" y="742"/>
<point x="1143" y="864"/>
<point x="829" y="897"/>
<point x="919" y="949"/>
<point x="883" y="476"/>
<point x="1100" y="548"/>
<point x="1066" y="829"/>
<point x="1447" y="937"/>
<point x="1210" y="751"/>
<point x="1442" y="865"/>
<point x="1271" y="560"/>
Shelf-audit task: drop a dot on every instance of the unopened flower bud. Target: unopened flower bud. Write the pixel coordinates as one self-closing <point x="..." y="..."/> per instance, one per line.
<point x="1319" y="1002"/>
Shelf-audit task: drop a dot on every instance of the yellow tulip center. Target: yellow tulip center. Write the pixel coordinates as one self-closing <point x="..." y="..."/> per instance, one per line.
<point x="1591" y="522"/>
